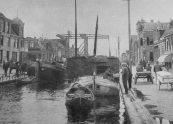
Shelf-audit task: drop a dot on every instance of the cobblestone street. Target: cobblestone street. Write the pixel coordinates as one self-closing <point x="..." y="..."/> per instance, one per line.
<point x="158" y="102"/>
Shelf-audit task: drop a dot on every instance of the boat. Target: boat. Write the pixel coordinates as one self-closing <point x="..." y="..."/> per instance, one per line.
<point x="103" y="87"/>
<point x="27" y="80"/>
<point x="79" y="96"/>
<point x="47" y="72"/>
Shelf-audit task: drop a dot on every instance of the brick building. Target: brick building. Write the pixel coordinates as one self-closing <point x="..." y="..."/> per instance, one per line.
<point x="11" y="38"/>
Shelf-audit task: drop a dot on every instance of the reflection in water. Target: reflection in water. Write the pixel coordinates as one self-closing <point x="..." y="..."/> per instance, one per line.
<point x="10" y="106"/>
<point x="104" y="110"/>
<point x="45" y="104"/>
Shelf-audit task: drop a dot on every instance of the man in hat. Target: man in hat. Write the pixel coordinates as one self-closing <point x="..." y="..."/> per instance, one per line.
<point x="125" y="76"/>
<point x="148" y="68"/>
<point x="107" y="73"/>
<point x="157" y="68"/>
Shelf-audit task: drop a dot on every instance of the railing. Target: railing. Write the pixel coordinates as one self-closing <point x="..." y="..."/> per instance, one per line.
<point x="9" y="77"/>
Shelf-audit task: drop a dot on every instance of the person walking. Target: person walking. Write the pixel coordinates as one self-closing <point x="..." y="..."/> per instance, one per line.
<point x="157" y="68"/>
<point x="130" y="77"/>
<point x="148" y="68"/>
<point x="11" y="66"/>
<point x="5" y="67"/>
<point x="125" y="76"/>
<point x="144" y="63"/>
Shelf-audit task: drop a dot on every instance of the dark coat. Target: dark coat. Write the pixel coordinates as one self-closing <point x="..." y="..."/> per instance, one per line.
<point x="125" y="74"/>
<point x="157" y="68"/>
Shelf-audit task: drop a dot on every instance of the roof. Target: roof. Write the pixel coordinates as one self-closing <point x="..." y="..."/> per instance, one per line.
<point x="17" y="20"/>
<point x="150" y="26"/>
<point x="2" y="15"/>
<point x="162" y="26"/>
<point x="168" y="32"/>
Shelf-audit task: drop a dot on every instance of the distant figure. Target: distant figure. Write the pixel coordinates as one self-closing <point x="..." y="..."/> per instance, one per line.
<point x="12" y="65"/>
<point x="148" y="68"/>
<point x="130" y="77"/>
<point x="144" y="63"/>
<point x="17" y="69"/>
<point x="5" y="67"/>
<point x="139" y="68"/>
<point x="157" y="68"/>
<point x="125" y="76"/>
<point x="107" y="73"/>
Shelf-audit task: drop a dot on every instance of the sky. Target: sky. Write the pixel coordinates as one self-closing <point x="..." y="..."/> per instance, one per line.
<point x="48" y="18"/>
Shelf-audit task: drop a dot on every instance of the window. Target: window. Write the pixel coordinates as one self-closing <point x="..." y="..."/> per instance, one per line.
<point x="4" y="26"/>
<point x="1" y="53"/>
<point x="32" y="44"/>
<point x="8" y="55"/>
<point x="22" y="43"/>
<point x="141" y="42"/>
<point x="18" y="43"/>
<point x="1" y="40"/>
<point x="151" y="42"/>
<point x="14" y="56"/>
<point x="14" y="45"/>
<point x="8" y="42"/>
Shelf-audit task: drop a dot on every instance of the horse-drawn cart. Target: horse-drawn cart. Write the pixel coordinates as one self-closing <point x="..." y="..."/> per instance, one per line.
<point x="164" y="77"/>
<point x="143" y="74"/>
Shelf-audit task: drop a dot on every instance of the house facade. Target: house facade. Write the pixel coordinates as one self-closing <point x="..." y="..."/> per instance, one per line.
<point x="44" y="49"/>
<point x="11" y="38"/>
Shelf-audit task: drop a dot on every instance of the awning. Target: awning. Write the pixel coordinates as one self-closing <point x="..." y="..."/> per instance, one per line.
<point x="165" y="58"/>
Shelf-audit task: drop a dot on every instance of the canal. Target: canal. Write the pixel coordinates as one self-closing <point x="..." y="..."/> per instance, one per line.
<point x="45" y="104"/>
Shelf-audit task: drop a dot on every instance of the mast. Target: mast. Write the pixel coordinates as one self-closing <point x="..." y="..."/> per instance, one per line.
<point x="95" y="42"/>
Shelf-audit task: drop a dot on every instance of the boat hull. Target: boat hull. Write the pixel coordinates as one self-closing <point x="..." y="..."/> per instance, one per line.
<point x="79" y="96"/>
<point x="79" y="102"/>
<point x="46" y="72"/>
<point x="103" y="87"/>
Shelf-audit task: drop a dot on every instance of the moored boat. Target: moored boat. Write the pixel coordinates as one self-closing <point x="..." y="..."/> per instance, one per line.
<point x="27" y="80"/>
<point x="47" y="72"/>
<point x="79" y="96"/>
<point x="103" y="87"/>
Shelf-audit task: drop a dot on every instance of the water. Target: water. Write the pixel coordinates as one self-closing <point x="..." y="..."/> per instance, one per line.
<point x="45" y="104"/>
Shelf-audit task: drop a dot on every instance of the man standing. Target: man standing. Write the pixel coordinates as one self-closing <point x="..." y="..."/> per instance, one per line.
<point x="157" y="68"/>
<point x="130" y="77"/>
<point x="125" y="76"/>
<point x="148" y="68"/>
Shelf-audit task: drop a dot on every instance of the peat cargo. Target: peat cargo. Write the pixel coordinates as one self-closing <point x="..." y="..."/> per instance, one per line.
<point x="81" y="66"/>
